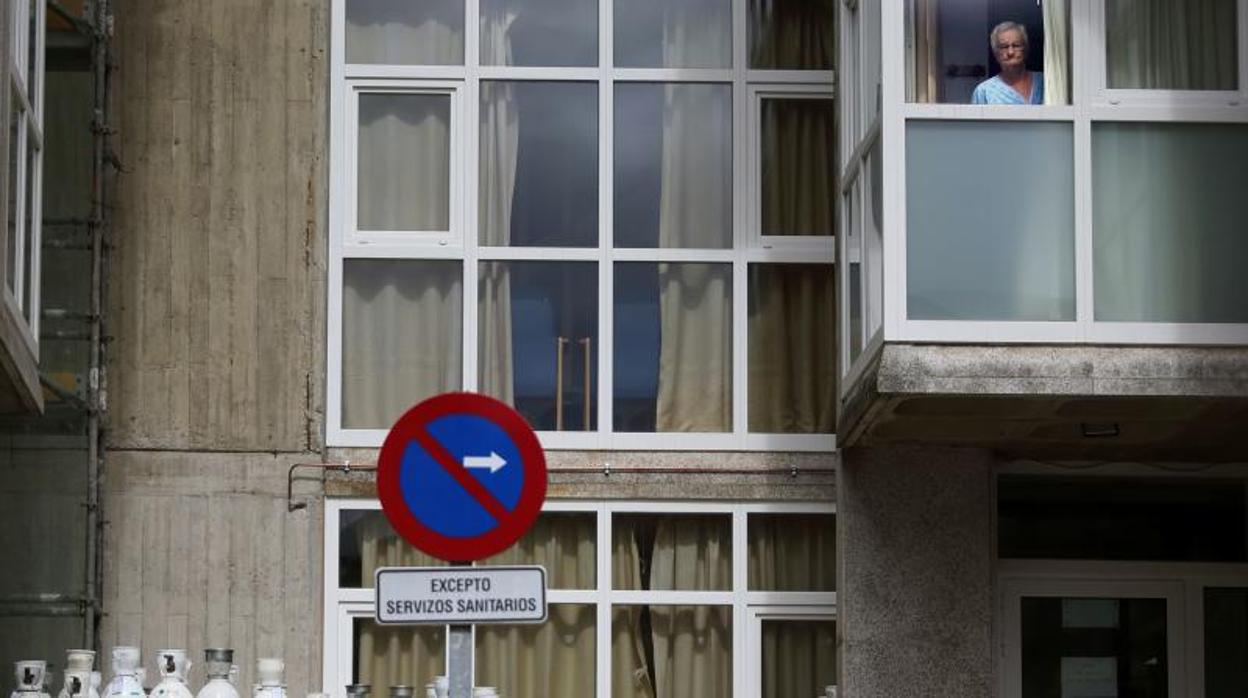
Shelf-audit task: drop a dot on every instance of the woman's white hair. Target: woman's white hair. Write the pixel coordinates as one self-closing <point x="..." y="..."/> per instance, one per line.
<point x="997" y="31"/>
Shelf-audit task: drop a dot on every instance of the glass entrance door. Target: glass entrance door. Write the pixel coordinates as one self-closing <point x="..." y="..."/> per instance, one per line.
<point x="1094" y="639"/>
<point x="792" y="652"/>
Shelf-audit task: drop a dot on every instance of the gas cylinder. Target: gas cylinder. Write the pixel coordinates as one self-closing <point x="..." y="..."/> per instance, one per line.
<point x="402" y="691"/>
<point x="269" y="675"/>
<point x="358" y="690"/>
<point x="218" y="663"/>
<point x="440" y="687"/>
<point x="173" y="667"/>
<point x="78" y="671"/>
<point x="127" y="681"/>
<point x="484" y="692"/>
<point x="30" y="674"/>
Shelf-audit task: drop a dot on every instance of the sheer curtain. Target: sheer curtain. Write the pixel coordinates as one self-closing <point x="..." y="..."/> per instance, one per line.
<point x="404" y="162"/>
<point x="380" y="31"/>
<point x="795" y="34"/>
<point x="695" y="300"/>
<point x="1171" y="44"/>
<point x="500" y="136"/>
<point x="1056" y="51"/>
<point x="923" y="51"/>
<point x="401" y="337"/>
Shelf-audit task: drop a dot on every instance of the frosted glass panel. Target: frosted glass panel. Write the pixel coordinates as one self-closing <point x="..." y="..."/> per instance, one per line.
<point x="1169" y="211"/>
<point x="990" y="221"/>
<point x="401" y="337"/>
<point x="429" y="32"/>
<point x="404" y="162"/>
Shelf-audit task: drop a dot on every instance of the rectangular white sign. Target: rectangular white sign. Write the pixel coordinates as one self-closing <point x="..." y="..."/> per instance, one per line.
<point x="460" y="595"/>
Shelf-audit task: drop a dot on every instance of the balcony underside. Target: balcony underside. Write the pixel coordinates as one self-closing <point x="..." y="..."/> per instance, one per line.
<point x="1056" y="402"/>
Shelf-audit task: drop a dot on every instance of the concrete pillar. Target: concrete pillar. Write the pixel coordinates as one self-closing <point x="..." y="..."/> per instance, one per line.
<point x="915" y="589"/>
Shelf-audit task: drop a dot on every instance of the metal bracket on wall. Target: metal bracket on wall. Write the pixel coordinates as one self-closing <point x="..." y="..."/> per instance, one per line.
<point x="345" y="467"/>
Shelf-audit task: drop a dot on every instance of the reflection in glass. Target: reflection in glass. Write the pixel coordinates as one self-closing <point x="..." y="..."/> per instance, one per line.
<point x="551" y="660"/>
<point x="792" y="34"/>
<point x="1171" y="44"/>
<point x="429" y="32"/>
<point x="673" y="165"/>
<point x="798" y="658"/>
<point x="792" y="342"/>
<point x="402" y="338"/>
<point x="1226" y="642"/>
<point x="1109" y="647"/>
<point x="366" y="541"/>
<point x="792" y="552"/>
<point x="950" y="51"/>
<point x="404" y="162"/>
<point x="538" y="333"/>
<point x="673" y="347"/>
<point x="30" y="227"/>
<point x="1168" y="214"/>
<point x="563" y="543"/>
<point x="539" y="164"/>
<point x="873" y="240"/>
<point x="671" y="651"/>
<point x="991" y="221"/>
<point x="405" y="655"/>
<point x="17" y="120"/>
<point x="798" y="168"/>
<point x="673" y="33"/>
<point x="659" y="552"/>
<point x="549" y="33"/>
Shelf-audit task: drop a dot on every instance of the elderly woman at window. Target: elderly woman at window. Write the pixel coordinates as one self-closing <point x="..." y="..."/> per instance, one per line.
<point x="1014" y="84"/>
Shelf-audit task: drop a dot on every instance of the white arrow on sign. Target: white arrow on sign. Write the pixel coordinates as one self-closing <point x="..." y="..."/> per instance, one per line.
<point x="493" y="461"/>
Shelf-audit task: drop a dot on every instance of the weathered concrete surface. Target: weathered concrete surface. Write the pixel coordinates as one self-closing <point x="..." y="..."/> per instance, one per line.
<point x="217" y="282"/>
<point x="631" y="475"/>
<point x="202" y="552"/>
<point x="915" y="588"/>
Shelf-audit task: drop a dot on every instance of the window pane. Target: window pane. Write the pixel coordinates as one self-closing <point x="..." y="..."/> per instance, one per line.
<point x="539" y="164"/>
<point x="30" y="227"/>
<point x="673" y="165"/>
<point x="389" y="655"/>
<point x="676" y="651"/>
<point x="1094" y="647"/>
<point x="16" y="119"/>
<point x="798" y="658"/>
<point x="1164" y="520"/>
<point x="1168" y="222"/>
<point x="538" y="334"/>
<point x="673" y="347"/>
<point x="798" y="169"/>
<point x="873" y="244"/>
<point x="366" y="541"/>
<point x="792" y="552"/>
<point x="673" y="33"/>
<point x="986" y="52"/>
<point x="792" y="34"/>
<point x="545" y="33"/>
<point x="991" y="221"/>
<point x="1226" y="642"/>
<point x="404" y="162"/>
<point x="660" y="552"/>
<point x="792" y="345"/>
<point x="1171" y="44"/>
<point x="563" y="543"/>
<point x="429" y="32"/>
<point x="402" y="338"/>
<point x="553" y="660"/>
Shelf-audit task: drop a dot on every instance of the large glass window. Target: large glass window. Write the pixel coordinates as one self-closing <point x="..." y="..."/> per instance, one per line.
<point x="674" y="607"/>
<point x="990" y="229"/>
<point x="1172" y="44"/>
<point x="621" y="218"/>
<point x="24" y="166"/>
<point x="1168" y="222"/>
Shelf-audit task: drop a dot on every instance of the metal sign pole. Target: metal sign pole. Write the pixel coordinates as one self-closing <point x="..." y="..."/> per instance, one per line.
<point x="459" y="656"/>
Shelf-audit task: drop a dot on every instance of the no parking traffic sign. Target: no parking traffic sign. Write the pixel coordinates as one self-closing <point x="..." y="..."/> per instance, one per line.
<point x="461" y="476"/>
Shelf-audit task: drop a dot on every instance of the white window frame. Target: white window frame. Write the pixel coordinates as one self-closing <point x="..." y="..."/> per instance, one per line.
<point x="1181" y="584"/>
<point x="342" y="606"/>
<point x="461" y="244"/>
<point x="23" y="298"/>
<point x="755" y="617"/>
<point x="1084" y="111"/>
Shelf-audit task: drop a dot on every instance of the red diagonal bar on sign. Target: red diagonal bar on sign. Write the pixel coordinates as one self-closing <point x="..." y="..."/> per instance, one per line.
<point x="465" y="479"/>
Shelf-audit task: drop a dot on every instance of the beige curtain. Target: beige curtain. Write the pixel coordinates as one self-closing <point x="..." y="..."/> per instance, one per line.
<point x="792" y="34"/>
<point x="799" y="167"/>
<point x="404" y="162"/>
<point x="792" y="349"/>
<point x="798" y="658"/>
<point x="379" y="31"/>
<point x="630" y="672"/>
<point x="792" y="553"/>
<point x="1171" y="44"/>
<point x="500" y="136"/>
<point x="401" y="337"/>
<point x="923" y="64"/>
<point x="1056" y="51"/>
